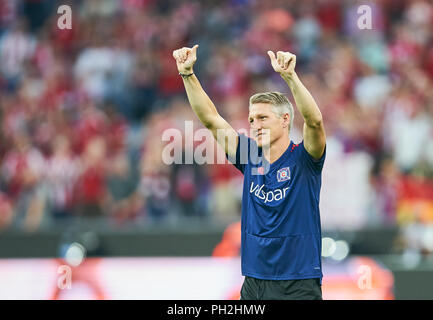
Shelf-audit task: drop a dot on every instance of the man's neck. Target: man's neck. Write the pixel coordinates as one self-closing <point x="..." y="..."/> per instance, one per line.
<point x="276" y="149"/>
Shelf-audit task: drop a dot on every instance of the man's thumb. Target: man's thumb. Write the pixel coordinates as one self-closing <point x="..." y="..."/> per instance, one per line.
<point x="194" y="49"/>
<point x="271" y="55"/>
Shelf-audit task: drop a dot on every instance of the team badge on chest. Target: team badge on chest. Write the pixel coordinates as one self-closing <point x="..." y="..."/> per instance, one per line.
<point x="283" y="174"/>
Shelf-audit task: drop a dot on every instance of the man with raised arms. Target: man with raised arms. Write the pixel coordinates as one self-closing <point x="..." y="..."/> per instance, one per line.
<point x="281" y="230"/>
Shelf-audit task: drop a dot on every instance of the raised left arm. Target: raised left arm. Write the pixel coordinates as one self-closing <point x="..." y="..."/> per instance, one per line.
<point x="314" y="131"/>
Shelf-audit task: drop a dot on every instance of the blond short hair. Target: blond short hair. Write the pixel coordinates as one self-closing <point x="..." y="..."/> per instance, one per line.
<point x="280" y="104"/>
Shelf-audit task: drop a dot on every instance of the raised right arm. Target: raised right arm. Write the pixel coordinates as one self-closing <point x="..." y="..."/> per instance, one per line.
<point x="201" y="104"/>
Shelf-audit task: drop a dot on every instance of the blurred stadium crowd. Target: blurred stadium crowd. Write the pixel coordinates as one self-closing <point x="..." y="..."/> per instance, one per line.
<point x="82" y="111"/>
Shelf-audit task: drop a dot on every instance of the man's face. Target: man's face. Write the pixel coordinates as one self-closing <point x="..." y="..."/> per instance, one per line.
<point x="266" y="125"/>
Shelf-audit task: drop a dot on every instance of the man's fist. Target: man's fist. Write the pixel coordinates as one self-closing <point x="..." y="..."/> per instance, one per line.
<point x="185" y="58"/>
<point x="284" y="63"/>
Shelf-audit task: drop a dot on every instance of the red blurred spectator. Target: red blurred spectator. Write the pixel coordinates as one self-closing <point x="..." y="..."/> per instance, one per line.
<point x="91" y="188"/>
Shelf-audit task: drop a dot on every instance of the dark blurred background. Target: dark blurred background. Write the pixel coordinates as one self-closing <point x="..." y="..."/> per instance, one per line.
<point x="82" y="113"/>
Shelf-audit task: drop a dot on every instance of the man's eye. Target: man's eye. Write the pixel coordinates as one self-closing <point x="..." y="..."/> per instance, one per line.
<point x="263" y="117"/>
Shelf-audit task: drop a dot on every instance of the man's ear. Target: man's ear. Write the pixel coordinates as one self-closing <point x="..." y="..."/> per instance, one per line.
<point x="286" y="119"/>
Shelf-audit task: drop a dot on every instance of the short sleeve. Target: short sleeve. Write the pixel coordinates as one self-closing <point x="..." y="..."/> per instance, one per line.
<point x="315" y="166"/>
<point x="242" y="152"/>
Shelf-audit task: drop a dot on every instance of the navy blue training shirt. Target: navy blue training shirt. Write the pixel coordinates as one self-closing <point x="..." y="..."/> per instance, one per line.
<point x="281" y="231"/>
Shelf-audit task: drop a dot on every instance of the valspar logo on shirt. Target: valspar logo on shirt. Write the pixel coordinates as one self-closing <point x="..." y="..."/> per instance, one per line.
<point x="269" y="196"/>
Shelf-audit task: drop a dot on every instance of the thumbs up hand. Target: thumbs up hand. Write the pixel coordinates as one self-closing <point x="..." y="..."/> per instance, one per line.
<point x="185" y="58"/>
<point x="284" y="63"/>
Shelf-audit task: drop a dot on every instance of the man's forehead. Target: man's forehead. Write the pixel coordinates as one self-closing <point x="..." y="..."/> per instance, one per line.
<point x="260" y="108"/>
